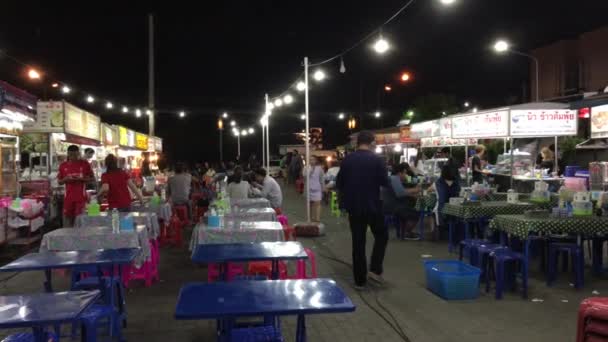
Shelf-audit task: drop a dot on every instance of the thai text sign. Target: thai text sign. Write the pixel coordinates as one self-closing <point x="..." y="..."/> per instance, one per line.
<point x="549" y="123"/>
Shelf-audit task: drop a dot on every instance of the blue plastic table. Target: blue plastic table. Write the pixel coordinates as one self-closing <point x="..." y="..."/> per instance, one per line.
<point x="43" y="309"/>
<point x="243" y="252"/>
<point x="226" y="301"/>
<point x="52" y="260"/>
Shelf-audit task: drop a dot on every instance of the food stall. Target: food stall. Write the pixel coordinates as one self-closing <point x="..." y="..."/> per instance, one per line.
<point x="594" y="152"/>
<point x="155" y="149"/>
<point x="131" y="146"/>
<point x="536" y="121"/>
<point x="437" y="134"/>
<point x="393" y="142"/>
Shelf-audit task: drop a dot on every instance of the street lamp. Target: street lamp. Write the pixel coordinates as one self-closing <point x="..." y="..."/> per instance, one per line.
<point x="319" y="75"/>
<point x="33" y="74"/>
<point x="405" y="77"/>
<point x="502" y="46"/>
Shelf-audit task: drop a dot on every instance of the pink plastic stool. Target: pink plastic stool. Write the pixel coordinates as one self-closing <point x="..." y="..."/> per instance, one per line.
<point x="148" y="272"/>
<point x="234" y="269"/>
<point x="264" y="268"/>
<point x="283" y="220"/>
<point x="301" y="266"/>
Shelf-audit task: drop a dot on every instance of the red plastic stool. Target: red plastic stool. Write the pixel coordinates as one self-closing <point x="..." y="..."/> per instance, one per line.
<point x="592" y="310"/>
<point x="173" y="233"/>
<point x="265" y="268"/>
<point x="301" y="266"/>
<point x="181" y="211"/>
<point x="290" y="233"/>
<point x="200" y="213"/>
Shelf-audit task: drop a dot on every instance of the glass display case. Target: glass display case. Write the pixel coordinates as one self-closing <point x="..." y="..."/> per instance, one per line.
<point x="8" y="164"/>
<point x="523" y="164"/>
<point x="432" y="167"/>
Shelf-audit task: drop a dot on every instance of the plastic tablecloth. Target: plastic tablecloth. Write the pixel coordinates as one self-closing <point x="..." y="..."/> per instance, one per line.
<point x="485" y="209"/>
<point x="237" y="232"/>
<point x="253" y="214"/>
<point x="94" y="238"/>
<point x="250" y="203"/>
<point x="162" y="211"/>
<point x="149" y="219"/>
<point x="521" y="225"/>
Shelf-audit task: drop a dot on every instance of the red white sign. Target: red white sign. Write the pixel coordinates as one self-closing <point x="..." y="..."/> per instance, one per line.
<point x="543" y="123"/>
<point x="481" y="125"/>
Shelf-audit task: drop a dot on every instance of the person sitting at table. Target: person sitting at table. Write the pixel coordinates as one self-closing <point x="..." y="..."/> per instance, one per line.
<point x="268" y="188"/>
<point x="115" y="186"/>
<point x="446" y="187"/>
<point x="74" y="173"/>
<point x="400" y="200"/>
<point x="238" y="188"/>
<point x="179" y="186"/>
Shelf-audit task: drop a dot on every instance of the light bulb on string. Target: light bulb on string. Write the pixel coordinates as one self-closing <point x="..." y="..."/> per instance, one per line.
<point x="381" y="45"/>
<point x="244" y="132"/>
<point x="90" y="99"/>
<point x="232" y="123"/>
<point x="301" y="86"/>
<point x="148" y="112"/>
<point x="319" y="75"/>
<point x="137" y="113"/>
<point x="377" y="114"/>
<point x="109" y="105"/>
<point x="278" y="103"/>
<point x="65" y="89"/>
<point x="341" y="116"/>
<point x="250" y="130"/>
<point x="303" y="117"/>
<point x="225" y="115"/>
<point x="342" y="67"/>
<point x="397" y="148"/>
<point x="125" y="109"/>
<point x="270" y="106"/>
<point x="288" y="99"/>
<point x="378" y="149"/>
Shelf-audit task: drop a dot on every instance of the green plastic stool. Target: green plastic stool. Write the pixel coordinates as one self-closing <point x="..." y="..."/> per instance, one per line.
<point x="333" y="204"/>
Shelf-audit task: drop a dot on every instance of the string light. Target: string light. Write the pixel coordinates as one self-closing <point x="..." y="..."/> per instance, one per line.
<point x="319" y="75"/>
<point x="341" y="116"/>
<point x="377" y="114"/>
<point x="232" y="123"/>
<point x="66" y="89"/>
<point x="125" y="109"/>
<point x="90" y="99"/>
<point x="148" y="112"/>
<point x="303" y="117"/>
<point x="183" y="114"/>
<point x="278" y="103"/>
<point x="225" y="115"/>
<point x="381" y="45"/>
<point x="109" y="105"/>
<point x="301" y="86"/>
<point x="55" y="85"/>
<point x="33" y="74"/>
<point x="288" y="99"/>
<point x="250" y="130"/>
<point x="138" y="113"/>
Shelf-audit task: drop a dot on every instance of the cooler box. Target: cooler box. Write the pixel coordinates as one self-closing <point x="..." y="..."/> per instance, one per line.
<point x="452" y="279"/>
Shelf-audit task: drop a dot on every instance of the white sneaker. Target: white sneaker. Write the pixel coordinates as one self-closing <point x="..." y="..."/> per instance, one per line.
<point x="376" y="278"/>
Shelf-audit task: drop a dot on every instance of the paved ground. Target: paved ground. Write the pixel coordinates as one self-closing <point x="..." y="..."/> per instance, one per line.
<point x="404" y="308"/>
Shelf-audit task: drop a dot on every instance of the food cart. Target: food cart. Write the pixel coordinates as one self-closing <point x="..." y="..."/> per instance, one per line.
<point x="539" y="120"/>
<point x="16" y="110"/>
<point x="436" y="134"/>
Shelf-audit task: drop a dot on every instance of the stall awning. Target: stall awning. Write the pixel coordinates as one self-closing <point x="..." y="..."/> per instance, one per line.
<point x="592" y="101"/>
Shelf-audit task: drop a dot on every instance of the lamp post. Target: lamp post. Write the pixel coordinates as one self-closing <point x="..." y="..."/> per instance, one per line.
<point x="220" y="127"/>
<point x="268" y="113"/>
<point x="318" y="76"/>
<point x="502" y="46"/>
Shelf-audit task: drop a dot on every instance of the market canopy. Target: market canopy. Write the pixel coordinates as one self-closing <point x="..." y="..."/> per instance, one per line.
<point x="438" y="133"/>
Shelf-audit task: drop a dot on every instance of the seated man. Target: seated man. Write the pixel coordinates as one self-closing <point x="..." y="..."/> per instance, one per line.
<point x="266" y="187"/>
<point x="178" y="188"/>
<point x="400" y="200"/>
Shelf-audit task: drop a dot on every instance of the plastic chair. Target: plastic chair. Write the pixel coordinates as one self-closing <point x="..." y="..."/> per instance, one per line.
<point x="265" y="268"/>
<point x="591" y="310"/>
<point x="483" y="254"/>
<point x="283" y="220"/>
<point x="97" y="315"/>
<point x="173" y="232"/>
<point x="333" y="204"/>
<point x="200" y="213"/>
<point x="578" y="262"/>
<point x="470" y="246"/>
<point x="265" y="333"/>
<point x="29" y="337"/>
<point x="146" y="273"/>
<point x="301" y="266"/>
<point x="290" y="233"/>
<point x="234" y="270"/>
<point x="502" y="257"/>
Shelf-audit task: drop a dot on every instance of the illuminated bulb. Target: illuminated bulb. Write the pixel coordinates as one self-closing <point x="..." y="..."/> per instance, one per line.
<point x="501" y="46"/>
<point x="244" y="132"/>
<point x="109" y="105"/>
<point x="378" y="149"/>
<point x="377" y="114"/>
<point x="278" y="103"/>
<point x="232" y="123"/>
<point x="270" y="106"/>
<point x="236" y="133"/>
<point x="448" y="2"/>
<point x="301" y="86"/>
<point x="90" y="99"/>
<point x="303" y="117"/>
<point x="125" y="109"/>
<point x="66" y="89"/>
<point x="33" y="74"/>
<point x="288" y="99"/>
<point x="138" y="113"/>
<point x="182" y="114"/>
<point x="319" y="75"/>
<point x="397" y="148"/>
<point x="55" y="85"/>
<point x="381" y="45"/>
<point x="225" y="115"/>
<point x="466" y="104"/>
<point x="341" y="116"/>
<point x="148" y="112"/>
<point x="475" y="110"/>
<point x="250" y="130"/>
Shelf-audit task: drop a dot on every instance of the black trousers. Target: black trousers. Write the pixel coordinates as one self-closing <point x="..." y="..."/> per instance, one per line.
<point x="358" y="229"/>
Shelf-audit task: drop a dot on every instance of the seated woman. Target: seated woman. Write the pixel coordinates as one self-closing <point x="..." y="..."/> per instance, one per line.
<point x="446" y="187"/>
<point x="238" y="188"/>
<point x="115" y="186"/>
<point x="400" y="200"/>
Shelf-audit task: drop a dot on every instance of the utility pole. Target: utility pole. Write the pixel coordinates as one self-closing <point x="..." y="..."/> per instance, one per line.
<point x="151" y="121"/>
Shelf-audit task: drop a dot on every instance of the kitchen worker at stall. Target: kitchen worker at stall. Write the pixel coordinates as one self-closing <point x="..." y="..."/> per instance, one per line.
<point x="75" y="173"/>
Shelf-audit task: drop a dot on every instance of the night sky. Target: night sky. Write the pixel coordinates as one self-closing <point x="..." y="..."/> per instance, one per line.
<point x="224" y="55"/>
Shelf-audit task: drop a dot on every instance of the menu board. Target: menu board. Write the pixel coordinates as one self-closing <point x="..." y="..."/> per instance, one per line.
<point x="548" y="123"/>
<point x="130" y="138"/>
<point x="49" y="118"/>
<point x="445" y="127"/>
<point x="158" y="144"/>
<point x="425" y="129"/>
<point x="80" y="122"/>
<point x="109" y="136"/>
<point x="123" y="139"/>
<point x="493" y="124"/>
<point x="446" y="141"/>
<point x="599" y="122"/>
<point x="141" y="141"/>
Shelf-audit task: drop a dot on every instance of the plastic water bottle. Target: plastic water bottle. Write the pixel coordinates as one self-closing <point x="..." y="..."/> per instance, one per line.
<point x="115" y="221"/>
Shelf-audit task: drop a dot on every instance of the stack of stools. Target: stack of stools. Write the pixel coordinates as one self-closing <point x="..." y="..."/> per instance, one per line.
<point x="592" y="325"/>
<point x="333" y="204"/>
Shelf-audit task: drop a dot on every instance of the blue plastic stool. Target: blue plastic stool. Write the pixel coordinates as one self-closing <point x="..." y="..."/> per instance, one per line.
<point x="97" y="315"/>
<point x="113" y="294"/>
<point x="470" y="245"/>
<point x="256" y="334"/>
<point x="502" y="257"/>
<point x="483" y="254"/>
<point x="28" y="337"/>
<point x="393" y="220"/>
<point x="578" y="262"/>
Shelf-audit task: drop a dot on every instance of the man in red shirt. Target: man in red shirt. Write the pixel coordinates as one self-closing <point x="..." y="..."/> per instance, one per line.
<point x="75" y="173"/>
